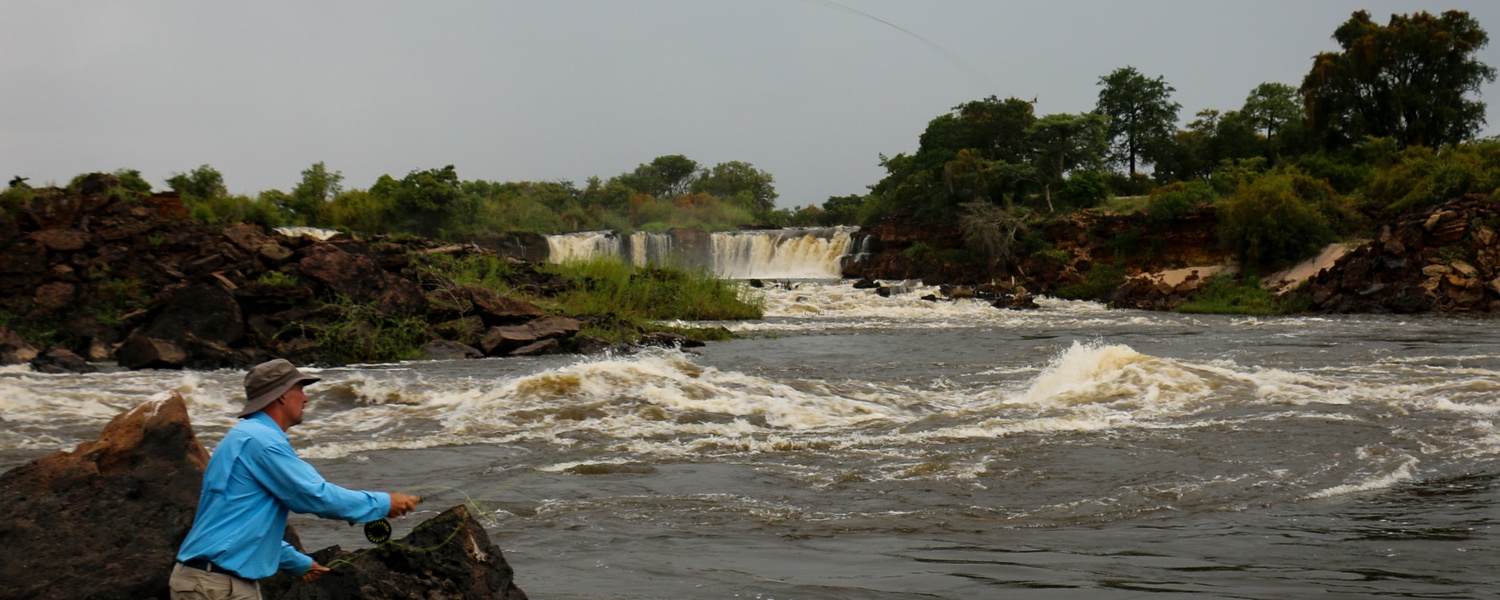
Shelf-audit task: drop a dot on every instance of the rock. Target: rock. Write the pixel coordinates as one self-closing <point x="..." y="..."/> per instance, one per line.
<point x="205" y="311"/>
<point x="1436" y="270"/>
<point x="105" y="520"/>
<point x="141" y="352"/>
<point x="14" y="349"/>
<point x="61" y="360"/>
<point x="449" y="556"/>
<point x="504" y="339"/>
<point x="24" y="256"/>
<point x="361" y="280"/>
<point x="543" y="347"/>
<point x="52" y="209"/>
<point x="246" y="236"/>
<point x="1465" y="269"/>
<point x="274" y="253"/>
<point x="588" y="344"/>
<point x="449" y="350"/>
<point x="55" y="295"/>
<point x="665" y="339"/>
<point x="500" y="310"/>
<point x="866" y="284"/>
<point x="64" y="240"/>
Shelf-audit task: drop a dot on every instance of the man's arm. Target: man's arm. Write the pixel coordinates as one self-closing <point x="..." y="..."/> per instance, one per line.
<point x="299" y="486"/>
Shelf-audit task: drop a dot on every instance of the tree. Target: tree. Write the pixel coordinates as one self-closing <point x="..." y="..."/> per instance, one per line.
<point x="1142" y="115"/>
<point x="739" y="183"/>
<point x="316" y="189"/>
<point x="425" y="202"/>
<point x="996" y="128"/>
<point x="664" y="177"/>
<point x="1269" y="108"/>
<point x="1407" y="80"/>
<point x="202" y="183"/>
<point x="1062" y="142"/>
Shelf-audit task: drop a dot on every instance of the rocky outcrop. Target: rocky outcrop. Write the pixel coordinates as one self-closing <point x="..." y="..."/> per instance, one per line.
<point x="447" y="556"/>
<point x="105" y="520"/>
<point x="102" y="274"/>
<point x="1445" y="259"/>
<point x="1164" y="290"/>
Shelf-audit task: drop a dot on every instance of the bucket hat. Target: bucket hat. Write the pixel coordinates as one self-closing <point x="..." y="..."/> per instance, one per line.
<point x="267" y="381"/>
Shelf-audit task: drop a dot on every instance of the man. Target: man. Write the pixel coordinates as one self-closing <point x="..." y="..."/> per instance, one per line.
<point x="252" y="481"/>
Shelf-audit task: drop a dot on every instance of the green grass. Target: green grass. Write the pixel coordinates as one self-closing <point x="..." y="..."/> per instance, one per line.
<point x="1227" y="295"/>
<point x="1098" y="284"/>
<point x="611" y="287"/>
<point x="1124" y="205"/>
<point x="359" y="333"/>
<point x="481" y="270"/>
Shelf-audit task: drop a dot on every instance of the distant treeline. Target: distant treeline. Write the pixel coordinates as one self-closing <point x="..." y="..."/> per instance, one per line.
<point x="1385" y="124"/>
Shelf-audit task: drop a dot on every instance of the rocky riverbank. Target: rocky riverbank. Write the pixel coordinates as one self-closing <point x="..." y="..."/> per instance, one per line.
<point x="92" y="274"/>
<point x="1444" y="259"/>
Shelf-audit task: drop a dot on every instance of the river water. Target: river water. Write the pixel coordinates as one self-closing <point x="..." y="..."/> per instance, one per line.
<point x="858" y="447"/>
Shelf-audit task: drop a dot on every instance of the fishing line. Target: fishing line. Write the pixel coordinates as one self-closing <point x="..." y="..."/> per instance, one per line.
<point x="378" y="532"/>
<point x="953" y="57"/>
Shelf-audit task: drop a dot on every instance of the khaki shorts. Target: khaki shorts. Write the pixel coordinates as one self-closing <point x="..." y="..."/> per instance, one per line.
<point x="188" y="583"/>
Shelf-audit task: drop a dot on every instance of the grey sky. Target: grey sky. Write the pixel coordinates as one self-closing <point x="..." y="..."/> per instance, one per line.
<point x="553" y="89"/>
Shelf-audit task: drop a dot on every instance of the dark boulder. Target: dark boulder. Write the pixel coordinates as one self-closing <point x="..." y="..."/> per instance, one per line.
<point x="142" y="352"/>
<point x="669" y="340"/>
<point x="105" y="520"/>
<point x="361" y="279"/>
<point x="449" y="556"/>
<point x="540" y="348"/>
<point x="449" y="350"/>
<point x="588" y="344"/>
<point x="62" y="240"/>
<point x="61" y="360"/>
<point x="500" y="310"/>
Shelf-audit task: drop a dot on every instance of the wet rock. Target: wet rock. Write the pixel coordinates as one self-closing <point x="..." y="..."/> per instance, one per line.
<point x="449" y="556"/>
<point x="665" y="339"/>
<point x="141" y="352"/>
<point x="105" y="520"/>
<point x="14" y="349"/>
<point x="540" y="348"/>
<point x="449" y="350"/>
<point x="61" y="360"/>
<point x="866" y="284"/>
<point x="588" y="344"/>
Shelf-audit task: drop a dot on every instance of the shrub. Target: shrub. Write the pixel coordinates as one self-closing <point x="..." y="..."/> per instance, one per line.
<point x="357" y="332"/>
<point x="1224" y="294"/>
<point x="1172" y="202"/>
<point x="1084" y="189"/>
<point x="991" y="230"/>
<point x="1279" y="218"/>
<point x="918" y="251"/>
<point x="1099" y="283"/>
<point x="1422" y="177"/>
<point x="610" y="287"/>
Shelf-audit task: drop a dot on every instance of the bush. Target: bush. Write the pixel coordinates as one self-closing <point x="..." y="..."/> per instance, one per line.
<point x="1099" y="283"/>
<point x="992" y="231"/>
<point x="360" y="333"/>
<point x="1224" y="294"/>
<point x="1422" y="177"/>
<point x="1172" y="202"/>
<point x="1084" y="189"/>
<point x="1279" y="218"/>
<point x="607" y="286"/>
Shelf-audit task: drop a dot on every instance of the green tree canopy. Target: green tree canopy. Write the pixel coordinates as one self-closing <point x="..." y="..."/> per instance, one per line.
<point x="1408" y="80"/>
<point x="739" y="183"/>
<point x="664" y="177"/>
<point x="313" y="192"/>
<point x="1142" y="115"/>
<point x="202" y="183"/>
<point x="1063" y="142"/>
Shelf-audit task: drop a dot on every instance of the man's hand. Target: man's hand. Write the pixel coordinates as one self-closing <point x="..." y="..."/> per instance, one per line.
<point x="402" y="504"/>
<point x="314" y="572"/>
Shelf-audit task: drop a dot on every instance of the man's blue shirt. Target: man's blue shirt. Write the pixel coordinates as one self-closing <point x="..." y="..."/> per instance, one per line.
<point x="252" y="481"/>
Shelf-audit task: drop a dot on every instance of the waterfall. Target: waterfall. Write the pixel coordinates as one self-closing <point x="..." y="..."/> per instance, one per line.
<point x="582" y="246"/>
<point x="793" y="253"/>
<point x="650" y="249"/>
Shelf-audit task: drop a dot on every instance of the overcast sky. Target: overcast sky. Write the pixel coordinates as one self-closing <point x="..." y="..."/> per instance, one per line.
<point x="812" y="91"/>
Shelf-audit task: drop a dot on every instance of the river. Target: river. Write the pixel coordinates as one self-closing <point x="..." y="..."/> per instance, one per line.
<point x="859" y="447"/>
